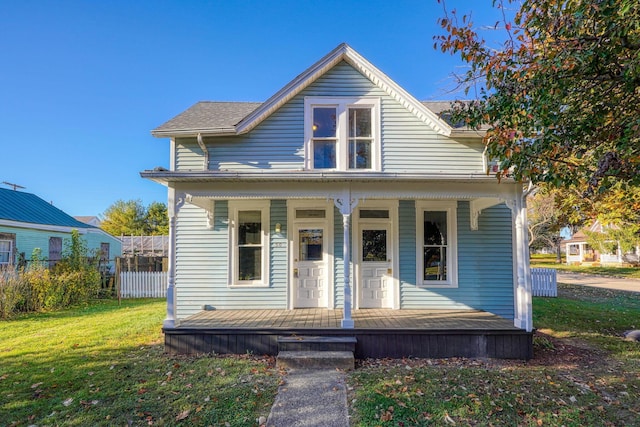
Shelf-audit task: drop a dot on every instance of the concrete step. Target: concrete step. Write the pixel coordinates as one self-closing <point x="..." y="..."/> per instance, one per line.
<point x="316" y="360"/>
<point x="316" y="343"/>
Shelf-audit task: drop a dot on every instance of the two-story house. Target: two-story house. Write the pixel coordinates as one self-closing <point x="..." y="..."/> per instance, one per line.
<point x="341" y="197"/>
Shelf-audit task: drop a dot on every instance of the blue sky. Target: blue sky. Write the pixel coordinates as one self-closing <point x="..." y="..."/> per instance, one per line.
<point x="82" y="83"/>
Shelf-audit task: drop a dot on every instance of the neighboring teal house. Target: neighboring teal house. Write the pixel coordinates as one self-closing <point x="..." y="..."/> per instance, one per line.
<point x="341" y="191"/>
<point x="28" y="222"/>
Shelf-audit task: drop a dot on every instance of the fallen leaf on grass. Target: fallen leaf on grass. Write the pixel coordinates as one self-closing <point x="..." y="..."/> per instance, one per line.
<point x="68" y="401"/>
<point x="182" y="415"/>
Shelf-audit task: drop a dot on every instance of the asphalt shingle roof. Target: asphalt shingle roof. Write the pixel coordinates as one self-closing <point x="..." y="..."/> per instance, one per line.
<point x="225" y="115"/>
<point x="210" y="115"/>
<point x="26" y="207"/>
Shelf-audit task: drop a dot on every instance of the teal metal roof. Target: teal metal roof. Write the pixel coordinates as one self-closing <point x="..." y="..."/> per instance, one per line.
<point x="29" y="208"/>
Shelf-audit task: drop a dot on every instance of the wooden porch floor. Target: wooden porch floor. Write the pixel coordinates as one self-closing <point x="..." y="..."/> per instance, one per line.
<point x="318" y="318"/>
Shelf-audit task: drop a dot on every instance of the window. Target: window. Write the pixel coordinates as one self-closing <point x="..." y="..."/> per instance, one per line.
<point x="6" y="250"/>
<point x="436" y="244"/>
<point x="249" y="243"/>
<point x="342" y="133"/>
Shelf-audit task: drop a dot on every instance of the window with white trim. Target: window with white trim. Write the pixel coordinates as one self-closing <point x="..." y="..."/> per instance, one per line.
<point x="249" y="243"/>
<point x="342" y="133"/>
<point x="436" y="244"/>
<point x="6" y="250"/>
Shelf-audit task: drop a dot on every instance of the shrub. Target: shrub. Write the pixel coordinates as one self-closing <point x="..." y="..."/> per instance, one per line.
<point x="12" y="292"/>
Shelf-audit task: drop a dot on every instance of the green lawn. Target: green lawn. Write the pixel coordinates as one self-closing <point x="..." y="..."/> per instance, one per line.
<point x="104" y="365"/>
<point x="583" y="373"/>
<point x="549" y="261"/>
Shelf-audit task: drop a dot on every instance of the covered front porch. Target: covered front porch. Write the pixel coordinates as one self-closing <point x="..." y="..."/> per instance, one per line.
<point x="378" y="332"/>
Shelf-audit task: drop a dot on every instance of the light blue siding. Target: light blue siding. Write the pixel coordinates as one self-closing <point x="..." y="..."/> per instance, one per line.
<point x="338" y="251"/>
<point x="202" y="263"/>
<point x="278" y="142"/>
<point x="485" y="266"/>
<point x="28" y="239"/>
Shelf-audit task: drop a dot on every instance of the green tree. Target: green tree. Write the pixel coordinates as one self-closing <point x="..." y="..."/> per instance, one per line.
<point x="133" y="218"/>
<point x="157" y="219"/>
<point x="560" y="95"/>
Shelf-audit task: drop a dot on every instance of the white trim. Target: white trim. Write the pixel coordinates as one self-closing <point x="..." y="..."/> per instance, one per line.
<point x="241" y="205"/>
<point x="10" y="258"/>
<point x="342" y="105"/>
<point x="47" y="227"/>
<point x="328" y="224"/>
<point x="343" y="53"/>
<point x="450" y="207"/>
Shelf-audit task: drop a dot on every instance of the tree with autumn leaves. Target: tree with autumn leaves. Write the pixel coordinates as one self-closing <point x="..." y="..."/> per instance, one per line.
<point x="560" y="98"/>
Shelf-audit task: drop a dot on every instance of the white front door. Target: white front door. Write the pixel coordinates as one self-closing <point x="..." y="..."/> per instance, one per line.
<point x="310" y="267"/>
<point x="375" y="266"/>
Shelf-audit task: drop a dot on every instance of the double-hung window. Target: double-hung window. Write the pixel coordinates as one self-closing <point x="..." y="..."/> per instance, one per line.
<point x="342" y="133"/>
<point x="249" y="243"/>
<point x="6" y="250"/>
<point x="436" y="244"/>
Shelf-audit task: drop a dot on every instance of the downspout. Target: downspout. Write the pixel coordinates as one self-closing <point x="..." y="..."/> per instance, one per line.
<point x="205" y="152"/>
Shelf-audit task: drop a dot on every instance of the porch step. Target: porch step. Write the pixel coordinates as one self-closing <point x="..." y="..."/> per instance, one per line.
<point x="316" y="343"/>
<point x="315" y="360"/>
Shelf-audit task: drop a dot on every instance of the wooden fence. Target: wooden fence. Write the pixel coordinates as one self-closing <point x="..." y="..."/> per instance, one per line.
<point x="544" y="282"/>
<point x="143" y="284"/>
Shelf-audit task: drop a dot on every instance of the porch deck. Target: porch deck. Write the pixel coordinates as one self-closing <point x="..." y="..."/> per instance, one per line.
<point x="379" y="332"/>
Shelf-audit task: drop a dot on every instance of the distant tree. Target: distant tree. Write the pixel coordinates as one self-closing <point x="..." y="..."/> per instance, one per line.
<point x="132" y="218"/>
<point x="560" y="93"/>
<point x="157" y="219"/>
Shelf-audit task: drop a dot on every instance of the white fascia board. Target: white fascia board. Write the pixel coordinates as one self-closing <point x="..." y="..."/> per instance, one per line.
<point x="185" y="133"/>
<point x="377" y="77"/>
<point x="42" y="227"/>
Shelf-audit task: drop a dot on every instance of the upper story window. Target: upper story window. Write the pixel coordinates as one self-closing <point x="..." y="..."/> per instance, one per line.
<point x="342" y="133"/>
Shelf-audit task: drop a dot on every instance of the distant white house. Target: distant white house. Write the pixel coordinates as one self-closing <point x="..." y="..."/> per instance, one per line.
<point x="579" y="251"/>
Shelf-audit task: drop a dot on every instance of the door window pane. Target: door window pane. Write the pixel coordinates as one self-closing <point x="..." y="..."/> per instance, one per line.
<point x="310" y="244"/>
<point x="310" y="213"/>
<point x="374" y="245"/>
<point x="374" y="213"/>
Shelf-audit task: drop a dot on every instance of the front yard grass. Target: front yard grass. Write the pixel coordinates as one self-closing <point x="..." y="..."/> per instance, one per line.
<point x="103" y="364"/>
<point x="583" y="373"/>
<point x="549" y="261"/>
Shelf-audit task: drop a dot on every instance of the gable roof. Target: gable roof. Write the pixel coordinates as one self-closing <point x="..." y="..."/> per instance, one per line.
<point x="220" y="117"/>
<point x="29" y="208"/>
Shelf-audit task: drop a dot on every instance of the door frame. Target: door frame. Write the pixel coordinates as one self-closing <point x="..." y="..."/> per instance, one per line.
<point x="327" y="223"/>
<point x="393" y="249"/>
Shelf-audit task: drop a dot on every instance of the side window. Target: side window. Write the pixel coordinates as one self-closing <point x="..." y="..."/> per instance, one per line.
<point x="6" y="252"/>
<point x="436" y="231"/>
<point x="55" y="250"/>
<point x="249" y="243"/>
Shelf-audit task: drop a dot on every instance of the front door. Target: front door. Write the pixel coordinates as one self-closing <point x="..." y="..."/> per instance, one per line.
<point x="310" y="267"/>
<point x="375" y="266"/>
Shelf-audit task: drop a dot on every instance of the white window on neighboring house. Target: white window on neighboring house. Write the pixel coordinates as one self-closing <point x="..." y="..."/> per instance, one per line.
<point x="249" y="243"/>
<point x="437" y="244"/>
<point x="342" y="133"/>
<point x="6" y="252"/>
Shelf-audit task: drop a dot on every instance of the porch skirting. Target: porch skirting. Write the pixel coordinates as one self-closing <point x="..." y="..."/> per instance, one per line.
<point x="379" y="332"/>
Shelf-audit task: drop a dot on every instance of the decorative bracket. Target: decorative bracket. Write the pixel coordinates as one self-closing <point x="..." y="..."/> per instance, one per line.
<point x="476" y="206"/>
<point x="345" y="203"/>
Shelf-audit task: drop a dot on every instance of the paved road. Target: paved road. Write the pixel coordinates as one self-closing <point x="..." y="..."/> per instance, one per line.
<point x="632" y="285"/>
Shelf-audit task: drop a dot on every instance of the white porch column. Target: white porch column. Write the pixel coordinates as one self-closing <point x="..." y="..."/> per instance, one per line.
<point x="523" y="316"/>
<point x="173" y="208"/>
<point x="346" y="204"/>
